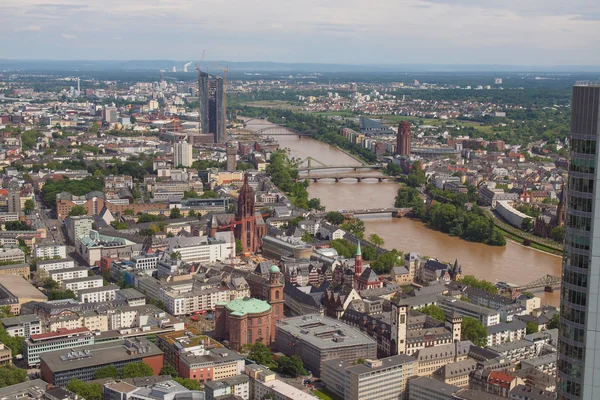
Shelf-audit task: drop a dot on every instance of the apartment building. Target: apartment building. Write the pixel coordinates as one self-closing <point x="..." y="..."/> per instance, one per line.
<point x="78" y="226"/>
<point x="14" y="254"/>
<point x="22" y="326"/>
<point x="210" y="365"/>
<point x="505" y="332"/>
<point x="98" y="294"/>
<point x="236" y="385"/>
<point x="517" y="351"/>
<point x="60" y="275"/>
<point x="186" y="301"/>
<point x="86" y="282"/>
<point x="50" y="251"/>
<point x="145" y="262"/>
<point x="202" y="248"/>
<point x="36" y="345"/>
<point x="53" y="265"/>
<point x="456" y="373"/>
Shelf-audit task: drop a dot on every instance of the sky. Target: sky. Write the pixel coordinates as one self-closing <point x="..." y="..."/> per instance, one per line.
<point x="508" y="32"/>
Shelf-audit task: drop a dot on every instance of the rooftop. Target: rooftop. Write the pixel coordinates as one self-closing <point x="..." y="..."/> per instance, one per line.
<point x="324" y="332"/>
<point x="22" y="319"/>
<point x="99" y="354"/>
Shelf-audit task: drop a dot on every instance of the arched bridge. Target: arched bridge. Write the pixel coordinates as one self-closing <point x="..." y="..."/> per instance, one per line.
<point x="342" y="176"/>
<point x="326" y="167"/>
<point x="547" y="282"/>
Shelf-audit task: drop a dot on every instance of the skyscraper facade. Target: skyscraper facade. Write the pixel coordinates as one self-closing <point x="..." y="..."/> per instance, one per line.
<point x="182" y="154"/>
<point x="212" y="106"/>
<point x="579" y="339"/>
<point x="403" y="139"/>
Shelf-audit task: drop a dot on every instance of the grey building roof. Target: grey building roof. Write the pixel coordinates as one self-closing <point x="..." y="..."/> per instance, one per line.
<point x="532" y="393"/>
<point x="99" y="289"/>
<point x="34" y="388"/>
<point x="506" y="326"/>
<point x="433" y="385"/>
<point x="323" y="332"/>
<point x="98" y="354"/>
<point x="46" y="262"/>
<point x="130" y="293"/>
<point x="388" y="362"/>
<point x="539" y="361"/>
<point x="84" y="279"/>
<point x="22" y="319"/>
<point x="458" y="368"/>
<point x="508" y="346"/>
<point x="232" y="381"/>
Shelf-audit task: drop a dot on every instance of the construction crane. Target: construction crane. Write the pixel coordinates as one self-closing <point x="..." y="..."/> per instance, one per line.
<point x="225" y="71"/>
<point x="200" y="94"/>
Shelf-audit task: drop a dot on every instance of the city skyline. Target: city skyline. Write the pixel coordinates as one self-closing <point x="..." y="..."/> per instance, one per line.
<point x="414" y="31"/>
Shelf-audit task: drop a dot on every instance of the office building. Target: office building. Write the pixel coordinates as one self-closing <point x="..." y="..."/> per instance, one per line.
<point x="236" y="385"/>
<point x="98" y="294"/>
<point x="14" y="197"/>
<point x="425" y="388"/>
<point x="384" y="379"/>
<point x="78" y="226"/>
<point x="28" y="390"/>
<point x="47" y="342"/>
<point x="86" y="282"/>
<point x="59" y="367"/>
<point x="212" y="106"/>
<point x="316" y="339"/>
<point x="15" y="255"/>
<point x="182" y="154"/>
<point x="60" y="275"/>
<point x="16" y="291"/>
<point x="110" y="114"/>
<point x="403" y="139"/>
<point x="578" y="369"/>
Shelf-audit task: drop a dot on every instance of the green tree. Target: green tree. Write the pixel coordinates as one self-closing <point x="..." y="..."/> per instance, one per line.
<point x="558" y="233"/>
<point x="292" y="366"/>
<point x="29" y="206"/>
<point x="190" y="194"/>
<point x="553" y="323"/>
<point x="128" y="211"/>
<point x="168" y="370"/>
<point x="417" y="176"/>
<point x="57" y="294"/>
<point x="10" y="375"/>
<point x="376" y="240"/>
<point x="307" y="237"/>
<point x="369" y="253"/>
<point x="17" y="226"/>
<point x="434" y="311"/>
<point x="531" y="327"/>
<point x="107" y="372"/>
<point x="175" y="213"/>
<point x="472" y="329"/>
<point x="355" y="226"/>
<point x="209" y="194"/>
<point x="89" y="391"/>
<point x="315" y="204"/>
<point x="119" y="225"/>
<point x="77" y="211"/>
<point x="238" y="247"/>
<point x="189" y="384"/>
<point x="386" y="261"/>
<point x="489" y="287"/>
<point x="335" y="218"/>
<point x="50" y="284"/>
<point x="136" y="370"/>
<point x="262" y="355"/>
<point x="527" y="224"/>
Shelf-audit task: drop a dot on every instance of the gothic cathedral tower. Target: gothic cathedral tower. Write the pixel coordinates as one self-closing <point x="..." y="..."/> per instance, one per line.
<point x="275" y="299"/>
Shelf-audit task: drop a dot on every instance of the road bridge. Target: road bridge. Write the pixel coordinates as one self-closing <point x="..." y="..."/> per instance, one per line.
<point x="341" y="176"/>
<point x="329" y="167"/>
<point x="396" y="212"/>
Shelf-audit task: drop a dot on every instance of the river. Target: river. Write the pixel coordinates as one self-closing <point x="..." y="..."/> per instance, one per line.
<point x="513" y="263"/>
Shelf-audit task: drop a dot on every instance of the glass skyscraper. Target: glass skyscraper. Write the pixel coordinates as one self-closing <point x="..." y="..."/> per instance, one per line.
<point x="212" y="107"/>
<point x="579" y="336"/>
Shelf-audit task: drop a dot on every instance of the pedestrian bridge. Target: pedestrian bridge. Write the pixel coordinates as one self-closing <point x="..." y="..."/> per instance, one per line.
<point x="348" y="176"/>
<point x="396" y="212"/>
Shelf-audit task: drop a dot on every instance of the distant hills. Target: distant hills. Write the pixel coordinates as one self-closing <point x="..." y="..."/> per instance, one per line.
<point x="270" y="67"/>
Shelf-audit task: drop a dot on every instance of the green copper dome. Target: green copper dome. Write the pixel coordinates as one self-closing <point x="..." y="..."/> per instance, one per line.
<point x="275" y="269"/>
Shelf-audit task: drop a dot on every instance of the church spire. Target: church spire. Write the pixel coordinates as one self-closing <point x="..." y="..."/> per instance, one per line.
<point x="358" y="252"/>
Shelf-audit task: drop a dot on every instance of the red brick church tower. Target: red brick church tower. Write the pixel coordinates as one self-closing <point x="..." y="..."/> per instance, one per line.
<point x="358" y="263"/>
<point x="403" y="139"/>
<point x="275" y="298"/>
<point x="245" y="229"/>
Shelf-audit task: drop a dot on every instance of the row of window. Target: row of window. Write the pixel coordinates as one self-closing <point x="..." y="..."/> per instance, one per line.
<point x="577" y="203"/>
<point x="578" y="222"/>
<point x="581" y="184"/>
<point x="578" y="261"/>
<point x="569" y="387"/>
<point x="574" y="296"/>
<point x="581" y="242"/>
<point x="582" y="146"/>
<point x="575" y="278"/>
<point x="582" y="165"/>
<point x="571" y="351"/>
<point x="573" y="315"/>
<point x="572" y="333"/>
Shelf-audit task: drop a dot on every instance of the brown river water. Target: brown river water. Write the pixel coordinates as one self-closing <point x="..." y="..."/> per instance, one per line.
<point x="513" y="263"/>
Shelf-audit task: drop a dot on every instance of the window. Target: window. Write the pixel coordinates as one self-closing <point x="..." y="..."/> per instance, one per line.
<point x="277" y="295"/>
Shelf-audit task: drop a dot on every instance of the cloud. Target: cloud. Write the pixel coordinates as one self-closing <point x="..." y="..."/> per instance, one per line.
<point x="68" y="36"/>
<point x="29" y="28"/>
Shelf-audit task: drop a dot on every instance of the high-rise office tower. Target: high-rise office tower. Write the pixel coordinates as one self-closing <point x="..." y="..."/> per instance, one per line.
<point x="182" y="154"/>
<point x="231" y="151"/>
<point x="579" y="336"/>
<point x="212" y="106"/>
<point x="403" y="139"/>
<point x="14" y="197"/>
